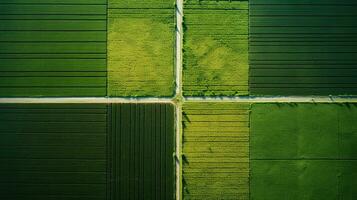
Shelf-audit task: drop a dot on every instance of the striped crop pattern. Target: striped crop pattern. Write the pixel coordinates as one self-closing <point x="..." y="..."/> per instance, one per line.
<point x="141" y="151"/>
<point x="50" y="152"/>
<point x="52" y="48"/>
<point x="216" y="150"/>
<point x="302" y="47"/>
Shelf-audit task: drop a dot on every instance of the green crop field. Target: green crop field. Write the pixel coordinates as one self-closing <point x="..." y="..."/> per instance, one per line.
<point x="142" y="144"/>
<point x="215" y="48"/>
<point x="303" y="151"/>
<point x="215" y="151"/>
<point x="53" y="151"/>
<point x="140" y="49"/>
<point x="52" y="48"/>
<point x="130" y="4"/>
<point x="86" y="151"/>
<point x="302" y="47"/>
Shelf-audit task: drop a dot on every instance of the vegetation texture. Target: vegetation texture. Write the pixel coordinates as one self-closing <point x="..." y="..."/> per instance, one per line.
<point x="140" y="50"/>
<point x="52" y="48"/>
<point x="156" y="4"/>
<point x="55" y="151"/>
<point x="87" y="151"/>
<point x="215" y="48"/>
<point x="301" y="47"/>
<point x="215" y="151"/>
<point x="142" y="147"/>
<point x="303" y="151"/>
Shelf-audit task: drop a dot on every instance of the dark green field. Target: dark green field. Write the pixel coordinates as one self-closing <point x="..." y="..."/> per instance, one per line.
<point x="86" y="151"/>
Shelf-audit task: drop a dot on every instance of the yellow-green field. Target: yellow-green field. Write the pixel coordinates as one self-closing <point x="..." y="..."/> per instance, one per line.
<point x="141" y="52"/>
<point x="215" y="151"/>
<point x="215" y="48"/>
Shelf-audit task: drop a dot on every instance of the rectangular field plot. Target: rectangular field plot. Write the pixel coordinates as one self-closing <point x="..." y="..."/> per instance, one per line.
<point x="55" y="151"/>
<point x="215" y="58"/>
<point x="140" y="50"/>
<point x="87" y="151"/>
<point x="129" y="4"/>
<point x="52" y="48"/>
<point x="303" y="151"/>
<point x="142" y="147"/>
<point x="215" y="151"/>
<point x="301" y="47"/>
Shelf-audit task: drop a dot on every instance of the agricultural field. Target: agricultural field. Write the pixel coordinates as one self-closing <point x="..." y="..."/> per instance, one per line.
<point x="303" y="47"/>
<point x="141" y="49"/>
<point x="142" y="138"/>
<point x="303" y="151"/>
<point x="215" y="52"/>
<point x="215" y="150"/>
<point x="53" y="151"/>
<point x="52" y="48"/>
<point x="147" y="4"/>
<point x="87" y="151"/>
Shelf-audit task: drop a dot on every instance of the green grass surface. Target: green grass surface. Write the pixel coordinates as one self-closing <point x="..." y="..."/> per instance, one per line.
<point x="215" y="48"/>
<point x="303" y="151"/>
<point x="215" y="151"/>
<point x="141" y="52"/>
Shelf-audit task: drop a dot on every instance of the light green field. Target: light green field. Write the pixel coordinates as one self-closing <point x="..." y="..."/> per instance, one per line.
<point x="215" y="151"/>
<point x="141" y="52"/>
<point x="215" y="48"/>
<point x="169" y="4"/>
